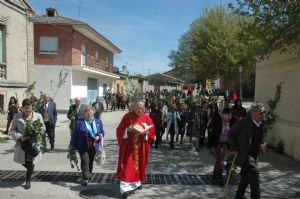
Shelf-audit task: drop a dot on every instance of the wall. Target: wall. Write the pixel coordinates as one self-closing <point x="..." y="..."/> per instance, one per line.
<point x="69" y="48"/>
<point x="79" y="84"/>
<point x="121" y="83"/>
<point x="282" y="67"/>
<point x="17" y="55"/>
<point x="30" y="51"/>
<point x="91" y="48"/>
<point x="148" y="87"/>
<point x="47" y="78"/>
<point x="65" y="36"/>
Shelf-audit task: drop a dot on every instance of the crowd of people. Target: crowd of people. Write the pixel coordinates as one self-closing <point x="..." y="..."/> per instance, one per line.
<point x="216" y="124"/>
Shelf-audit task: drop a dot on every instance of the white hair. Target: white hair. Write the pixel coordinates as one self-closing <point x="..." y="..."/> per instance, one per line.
<point x="256" y="105"/>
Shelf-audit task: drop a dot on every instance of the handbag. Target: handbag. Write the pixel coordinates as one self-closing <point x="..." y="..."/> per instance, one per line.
<point x="29" y="148"/>
<point x="100" y="156"/>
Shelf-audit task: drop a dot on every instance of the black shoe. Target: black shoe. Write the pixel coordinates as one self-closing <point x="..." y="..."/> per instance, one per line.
<point x="221" y="182"/>
<point x="140" y="187"/>
<point x="27" y="185"/>
<point x="240" y="197"/>
<point x="84" y="182"/>
<point x="124" y="195"/>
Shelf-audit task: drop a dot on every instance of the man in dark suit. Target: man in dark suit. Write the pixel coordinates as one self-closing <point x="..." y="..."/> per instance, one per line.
<point x="76" y="111"/>
<point x="49" y="114"/>
<point x="246" y="140"/>
<point x="98" y="105"/>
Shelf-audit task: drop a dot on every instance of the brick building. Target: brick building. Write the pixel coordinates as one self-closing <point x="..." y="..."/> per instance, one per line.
<point x="73" y="49"/>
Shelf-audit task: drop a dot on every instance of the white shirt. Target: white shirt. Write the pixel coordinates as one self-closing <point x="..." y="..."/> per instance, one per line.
<point x="256" y="123"/>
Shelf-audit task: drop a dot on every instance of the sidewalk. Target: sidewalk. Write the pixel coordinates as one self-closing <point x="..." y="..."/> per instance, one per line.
<point x="280" y="175"/>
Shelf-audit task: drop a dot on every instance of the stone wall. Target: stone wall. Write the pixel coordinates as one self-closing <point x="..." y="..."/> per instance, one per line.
<point x="18" y="51"/>
<point x="282" y="67"/>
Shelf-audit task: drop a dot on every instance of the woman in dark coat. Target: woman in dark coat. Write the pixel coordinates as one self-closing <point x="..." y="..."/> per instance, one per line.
<point x="13" y="108"/>
<point x="156" y="116"/>
<point x="238" y="111"/>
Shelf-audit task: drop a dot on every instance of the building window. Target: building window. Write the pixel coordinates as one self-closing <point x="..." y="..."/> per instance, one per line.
<point x="106" y="63"/>
<point x="83" y="54"/>
<point x="2" y="53"/>
<point x="48" y="45"/>
<point x="2" y="45"/>
<point x="97" y="57"/>
<point x="111" y="60"/>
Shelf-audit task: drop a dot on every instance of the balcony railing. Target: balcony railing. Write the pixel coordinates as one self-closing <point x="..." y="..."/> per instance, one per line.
<point x="2" y="71"/>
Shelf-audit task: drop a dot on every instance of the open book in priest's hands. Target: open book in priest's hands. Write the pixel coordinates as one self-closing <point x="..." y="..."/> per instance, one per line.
<point x="141" y="127"/>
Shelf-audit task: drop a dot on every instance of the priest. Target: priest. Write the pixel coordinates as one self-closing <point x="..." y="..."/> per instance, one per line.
<point x="134" y="133"/>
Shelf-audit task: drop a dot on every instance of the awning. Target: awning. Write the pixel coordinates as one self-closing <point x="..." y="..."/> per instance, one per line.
<point x="88" y="69"/>
<point x="159" y="79"/>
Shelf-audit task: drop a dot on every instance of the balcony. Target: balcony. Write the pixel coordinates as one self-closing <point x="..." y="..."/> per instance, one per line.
<point x="2" y="71"/>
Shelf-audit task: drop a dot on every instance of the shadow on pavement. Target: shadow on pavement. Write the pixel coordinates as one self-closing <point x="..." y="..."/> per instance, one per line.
<point x="98" y="190"/>
<point x="180" y="160"/>
<point x="12" y="184"/>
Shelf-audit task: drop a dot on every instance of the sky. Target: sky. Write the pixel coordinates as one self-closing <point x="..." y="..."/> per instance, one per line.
<point x="145" y="30"/>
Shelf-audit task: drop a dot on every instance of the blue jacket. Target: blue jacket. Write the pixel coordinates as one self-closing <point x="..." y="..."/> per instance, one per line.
<point x="79" y="139"/>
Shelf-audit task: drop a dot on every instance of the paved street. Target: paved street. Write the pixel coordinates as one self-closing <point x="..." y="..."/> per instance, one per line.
<point x="179" y="173"/>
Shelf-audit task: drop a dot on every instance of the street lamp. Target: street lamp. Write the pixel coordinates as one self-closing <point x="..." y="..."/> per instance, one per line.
<point x="241" y="89"/>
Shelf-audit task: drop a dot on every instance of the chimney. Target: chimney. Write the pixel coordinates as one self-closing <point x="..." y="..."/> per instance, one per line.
<point x="51" y="12"/>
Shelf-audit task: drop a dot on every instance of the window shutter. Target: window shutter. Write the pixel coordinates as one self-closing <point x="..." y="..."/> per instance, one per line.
<point x="49" y="44"/>
<point x="1" y="45"/>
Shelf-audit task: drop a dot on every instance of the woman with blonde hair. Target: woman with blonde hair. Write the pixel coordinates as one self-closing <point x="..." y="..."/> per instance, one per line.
<point x="86" y="139"/>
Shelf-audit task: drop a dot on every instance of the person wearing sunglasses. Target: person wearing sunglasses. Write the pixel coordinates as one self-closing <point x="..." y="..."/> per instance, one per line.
<point x="246" y="140"/>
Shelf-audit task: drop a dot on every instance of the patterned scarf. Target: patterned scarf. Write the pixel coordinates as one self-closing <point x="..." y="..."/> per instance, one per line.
<point x="92" y="132"/>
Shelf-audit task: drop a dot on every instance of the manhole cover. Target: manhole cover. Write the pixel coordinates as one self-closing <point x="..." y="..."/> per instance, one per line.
<point x="97" y="193"/>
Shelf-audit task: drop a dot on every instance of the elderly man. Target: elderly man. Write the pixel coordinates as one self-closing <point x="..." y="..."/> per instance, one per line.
<point x="49" y="114"/>
<point x="246" y="140"/>
<point x="76" y="111"/>
<point x="98" y="105"/>
<point x="134" y="149"/>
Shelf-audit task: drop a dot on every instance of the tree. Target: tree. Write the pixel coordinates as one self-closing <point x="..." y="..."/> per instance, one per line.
<point x="215" y="46"/>
<point x="275" y="23"/>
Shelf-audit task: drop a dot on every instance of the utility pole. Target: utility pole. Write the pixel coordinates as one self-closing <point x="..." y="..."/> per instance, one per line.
<point x="142" y="61"/>
<point x="79" y="9"/>
<point x="241" y="89"/>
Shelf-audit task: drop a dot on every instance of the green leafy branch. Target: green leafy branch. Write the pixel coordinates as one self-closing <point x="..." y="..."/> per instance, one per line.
<point x="3" y="139"/>
<point x="72" y="119"/>
<point x="29" y="90"/>
<point x="271" y="117"/>
<point x="131" y="90"/>
<point x="34" y="131"/>
<point x="38" y="103"/>
<point x="72" y="153"/>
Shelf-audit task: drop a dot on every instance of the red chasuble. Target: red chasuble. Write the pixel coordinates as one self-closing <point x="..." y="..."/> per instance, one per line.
<point x="134" y="150"/>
